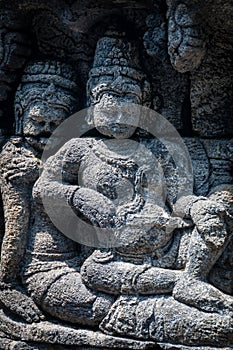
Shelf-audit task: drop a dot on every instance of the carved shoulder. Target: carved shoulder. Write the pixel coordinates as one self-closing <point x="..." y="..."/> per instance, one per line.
<point x="60" y="174"/>
<point x="76" y="150"/>
<point x="68" y="159"/>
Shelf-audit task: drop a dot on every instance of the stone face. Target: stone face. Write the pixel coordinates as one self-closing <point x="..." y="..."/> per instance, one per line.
<point x="122" y="238"/>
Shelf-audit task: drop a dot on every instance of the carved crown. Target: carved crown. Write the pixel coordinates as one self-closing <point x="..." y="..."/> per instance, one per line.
<point x="51" y="82"/>
<point x="117" y="69"/>
<point x="58" y="73"/>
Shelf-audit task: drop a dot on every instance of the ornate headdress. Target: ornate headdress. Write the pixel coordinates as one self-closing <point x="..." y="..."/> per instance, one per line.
<point x="117" y="69"/>
<point x="46" y="81"/>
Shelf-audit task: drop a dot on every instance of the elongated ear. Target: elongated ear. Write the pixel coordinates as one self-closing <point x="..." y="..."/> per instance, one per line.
<point x="18" y="118"/>
<point x="146" y="94"/>
<point x="90" y="117"/>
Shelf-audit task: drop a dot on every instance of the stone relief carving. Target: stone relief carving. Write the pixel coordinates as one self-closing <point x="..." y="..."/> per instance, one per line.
<point x="169" y="283"/>
<point x="201" y="44"/>
<point x="116" y="272"/>
<point x="43" y="100"/>
<point x="186" y="41"/>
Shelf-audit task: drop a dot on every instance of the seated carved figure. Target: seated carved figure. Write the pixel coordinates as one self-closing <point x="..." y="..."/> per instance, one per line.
<point x="146" y="286"/>
<point x="37" y="261"/>
<point x="45" y="97"/>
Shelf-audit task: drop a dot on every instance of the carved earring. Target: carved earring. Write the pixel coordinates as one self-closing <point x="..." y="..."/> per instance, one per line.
<point x="18" y="119"/>
<point x="146" y="94"/>
<point x="90" y="116"/>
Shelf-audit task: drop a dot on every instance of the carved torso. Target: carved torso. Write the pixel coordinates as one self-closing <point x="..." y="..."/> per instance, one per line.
<point x="128" y="174"/>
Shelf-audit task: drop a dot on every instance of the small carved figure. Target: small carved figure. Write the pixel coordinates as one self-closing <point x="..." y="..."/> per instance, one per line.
<point x="149" y="284"/>
<point x="43" y="100"/>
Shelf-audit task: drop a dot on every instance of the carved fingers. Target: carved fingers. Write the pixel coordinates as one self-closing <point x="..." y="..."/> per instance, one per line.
<point x="22" y="171"/>
<point x="155" y="38"/>
<point x="18" y="165"/>
<point x="207" y="206"/>
<point x="210" y="219"/>
<point x="20" y="304"/>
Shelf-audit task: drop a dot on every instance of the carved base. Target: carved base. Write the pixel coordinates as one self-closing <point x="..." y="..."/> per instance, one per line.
<point x="8" y="344"/>
<point x="48" y="336"/>
<point x="183" y="347"/>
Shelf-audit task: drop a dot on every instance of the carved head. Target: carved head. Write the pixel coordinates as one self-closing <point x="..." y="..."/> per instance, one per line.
<point x="116" y="80"/>
<point x="46" y="96"/>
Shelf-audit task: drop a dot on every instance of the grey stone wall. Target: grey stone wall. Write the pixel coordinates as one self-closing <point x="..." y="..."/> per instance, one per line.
<point x="168" y="283"/>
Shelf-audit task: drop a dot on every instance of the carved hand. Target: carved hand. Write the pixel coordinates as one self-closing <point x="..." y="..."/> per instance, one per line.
<point x="207" y="206"/>
<point x="16" y="301"/>
<point x="22" y="171"/>
<point x="19" y="165"/>
<point x="210" y="218"/>
<point x="94" y="206"/>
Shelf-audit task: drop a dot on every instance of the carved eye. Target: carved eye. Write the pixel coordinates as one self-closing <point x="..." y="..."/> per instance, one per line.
<point x="33" y="117"/>
<point x="52" y="124"/>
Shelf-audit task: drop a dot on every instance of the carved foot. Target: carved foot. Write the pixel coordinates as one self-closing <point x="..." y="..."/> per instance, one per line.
<point x="17" y="302"/>
<point x="203" y="296"/>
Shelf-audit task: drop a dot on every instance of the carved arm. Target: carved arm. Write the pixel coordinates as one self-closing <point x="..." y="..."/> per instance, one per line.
<point x="58" y="184"/>
<point x="19" y="170"/>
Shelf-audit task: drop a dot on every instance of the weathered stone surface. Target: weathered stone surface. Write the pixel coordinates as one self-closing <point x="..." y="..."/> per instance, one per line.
<point x="211" y="92"/>
<point x="2" y="226"/>
<point x="186" y="37"/>
<point x="174" y="347"/>
<point x="14" y="51"/>
<point x="220" y="160"/>
<point x="53" y="333"/>
<point x="169" y="86"/>
<point x="114" y="242"/>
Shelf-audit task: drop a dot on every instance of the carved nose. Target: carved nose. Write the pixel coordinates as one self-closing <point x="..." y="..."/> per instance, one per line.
<point x="120" y="118"/>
